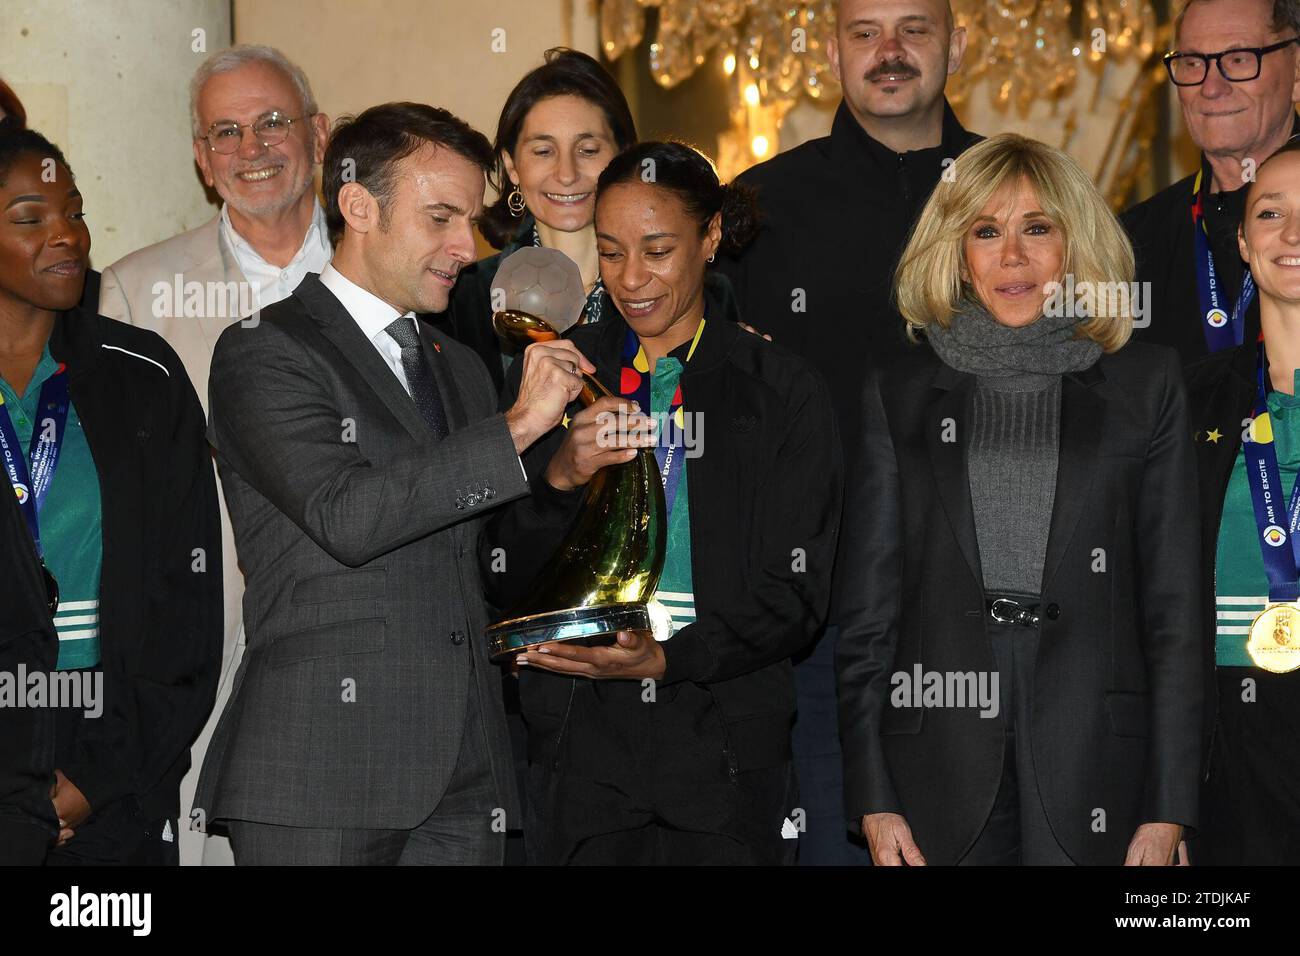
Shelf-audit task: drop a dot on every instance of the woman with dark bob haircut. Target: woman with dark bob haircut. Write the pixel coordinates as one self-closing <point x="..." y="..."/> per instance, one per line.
<point x="560" y="126"/>
<point x="677" y="750"/>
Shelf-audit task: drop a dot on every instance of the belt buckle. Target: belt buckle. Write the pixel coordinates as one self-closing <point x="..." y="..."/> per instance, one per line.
<point x="993" y="610"/>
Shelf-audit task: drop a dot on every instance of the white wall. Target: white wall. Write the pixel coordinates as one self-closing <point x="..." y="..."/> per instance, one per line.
<point x="107" y="81"/>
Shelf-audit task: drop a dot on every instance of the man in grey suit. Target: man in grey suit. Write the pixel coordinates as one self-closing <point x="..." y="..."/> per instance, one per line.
<point x="359" y="451"/>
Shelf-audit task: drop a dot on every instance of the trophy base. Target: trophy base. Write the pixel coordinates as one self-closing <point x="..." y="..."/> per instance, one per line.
<point x="589" y="626"/>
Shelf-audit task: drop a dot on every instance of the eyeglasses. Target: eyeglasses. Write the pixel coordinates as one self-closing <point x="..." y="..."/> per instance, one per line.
<point x="1237" y="66"/>
<point x="270" y="130"/>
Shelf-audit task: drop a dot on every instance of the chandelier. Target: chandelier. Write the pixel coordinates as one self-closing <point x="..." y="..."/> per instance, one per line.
<point x="774" y="53"/>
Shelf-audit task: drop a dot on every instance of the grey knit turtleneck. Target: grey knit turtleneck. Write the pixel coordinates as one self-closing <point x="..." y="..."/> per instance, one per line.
<point x="1012" y="470"/>
<point x="1015" y="434"/>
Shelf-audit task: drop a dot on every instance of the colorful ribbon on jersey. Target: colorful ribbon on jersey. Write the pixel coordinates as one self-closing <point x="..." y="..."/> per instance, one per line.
<point x="635" y="383"/>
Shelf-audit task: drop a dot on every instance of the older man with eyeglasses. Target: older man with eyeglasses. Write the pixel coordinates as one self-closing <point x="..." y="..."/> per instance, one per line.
<point x="1236" y="68"/>
<point x="258" y="138"/>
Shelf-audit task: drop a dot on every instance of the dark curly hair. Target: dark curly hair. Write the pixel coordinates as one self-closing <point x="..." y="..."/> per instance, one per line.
<point x="565" y="73"/>
<point x="688" y="174"/>
<point x="17" y="142"/>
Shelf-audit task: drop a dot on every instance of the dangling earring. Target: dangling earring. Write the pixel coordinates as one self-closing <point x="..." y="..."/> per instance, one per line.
<point x="515" y="203"/>
<point x="711" y="258"/>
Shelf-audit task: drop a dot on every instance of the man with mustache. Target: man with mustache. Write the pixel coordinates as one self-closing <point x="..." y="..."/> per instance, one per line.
<point x="1239" y="109"/>
<point x="258" y="139"/>
<point x="817" y="279"/>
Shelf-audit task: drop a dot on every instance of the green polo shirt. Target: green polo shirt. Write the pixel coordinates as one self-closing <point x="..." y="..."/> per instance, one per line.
<point x="71" y="521"/>
<point x="676" y="591"/>
<point x="1240" y="584"/>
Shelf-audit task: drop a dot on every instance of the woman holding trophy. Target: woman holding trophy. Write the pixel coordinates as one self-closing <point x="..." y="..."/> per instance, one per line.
<point x="677" y="750"/>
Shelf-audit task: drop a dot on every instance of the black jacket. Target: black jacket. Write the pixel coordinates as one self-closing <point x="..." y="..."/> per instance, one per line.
<point x="1163" y="242"/>
<point x="767" y="483"/>
<point x="28" y="641"/>
<point x="818" y="277"/>
<point x="160" y="605"/>
<point x="1118" y="686"/>
<point x="1259" y="732"/>
<point x="1220" y="397"/>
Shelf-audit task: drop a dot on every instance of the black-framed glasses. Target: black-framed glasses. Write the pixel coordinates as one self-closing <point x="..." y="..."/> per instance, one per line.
<point x="270" y="130"/>
<point x="1237" y="66"/>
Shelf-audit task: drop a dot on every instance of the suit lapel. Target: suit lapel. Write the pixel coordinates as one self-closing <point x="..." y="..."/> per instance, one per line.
<point x="340" y="328"/>
<point x="1083" y="419"/>
<point x="217" y="267"/>
<point x="947" y="434"/>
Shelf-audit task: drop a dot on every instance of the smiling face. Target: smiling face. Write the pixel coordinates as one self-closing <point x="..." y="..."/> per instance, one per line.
<point x="259" y="180"/>
<point x="893" y="57"/>
<point x="1010" y="252"/>
<point x="44" y="242"/>
<point x="1237" y="118"/>
<point x="564" y="145"/>
<point x="1269" y="239"/>
<point x="652" y="259"/>
<point x="410" y="257"/>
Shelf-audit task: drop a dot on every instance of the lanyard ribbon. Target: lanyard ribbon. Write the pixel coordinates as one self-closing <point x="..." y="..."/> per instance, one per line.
<point x="635" y="383"/>
<point x="31" y="474"/>
<point x="1222" y="331"/>
<point x="1278" y="542"/>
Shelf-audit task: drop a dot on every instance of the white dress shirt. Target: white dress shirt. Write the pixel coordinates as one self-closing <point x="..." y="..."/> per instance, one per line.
<point x="271" y="283"/>
<point x="373" y="315"/>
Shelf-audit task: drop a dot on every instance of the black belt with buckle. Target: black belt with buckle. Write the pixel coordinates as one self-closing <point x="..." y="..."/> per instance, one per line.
<point x="1011" y="611"/>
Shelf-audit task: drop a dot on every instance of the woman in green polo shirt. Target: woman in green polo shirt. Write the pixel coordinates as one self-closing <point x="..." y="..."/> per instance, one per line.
<point x="102" y="442"/>
<point x="1245" y="404"/>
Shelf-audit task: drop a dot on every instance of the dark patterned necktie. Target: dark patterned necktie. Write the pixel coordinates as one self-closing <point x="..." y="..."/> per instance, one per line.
<point x="424" y="390"/>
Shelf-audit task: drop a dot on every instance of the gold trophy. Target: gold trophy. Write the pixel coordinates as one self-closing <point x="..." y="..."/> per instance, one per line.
<point x="602" y="578"/>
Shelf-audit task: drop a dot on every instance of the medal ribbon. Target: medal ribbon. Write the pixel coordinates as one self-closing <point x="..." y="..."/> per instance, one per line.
<point x="1222" y="331"/>
<point x="30" y="475"/>
<point x="634" y="383"/>
<point x="1278" y="542"/>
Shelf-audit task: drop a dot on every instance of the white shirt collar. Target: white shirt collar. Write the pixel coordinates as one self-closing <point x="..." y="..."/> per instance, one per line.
<point x="317" y="236"/>
<point x="369" y="311"/>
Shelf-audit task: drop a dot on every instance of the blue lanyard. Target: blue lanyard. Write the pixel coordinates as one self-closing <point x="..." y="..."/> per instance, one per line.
<point x="31" y="474"/>
<point x="1278" y="542"/>
<point x="1222" y="330"/>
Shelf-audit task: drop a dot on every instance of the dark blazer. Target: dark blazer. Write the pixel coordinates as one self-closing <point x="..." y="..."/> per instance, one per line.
<point x="1221" y="395"/>
<point x="768" y="483"/>
<point x="1221" y="392"/>
<point x="1118" y="685"/>
<point x="358" y="537"/>
<point x="27" y="640"/>
<point x="160" y="618"/>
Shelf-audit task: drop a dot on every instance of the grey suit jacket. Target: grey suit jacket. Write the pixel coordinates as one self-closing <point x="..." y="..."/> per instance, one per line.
<point x="363" y="608"/>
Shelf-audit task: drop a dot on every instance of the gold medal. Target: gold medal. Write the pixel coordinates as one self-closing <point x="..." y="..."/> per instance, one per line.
<point x="1274" y="641"/>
